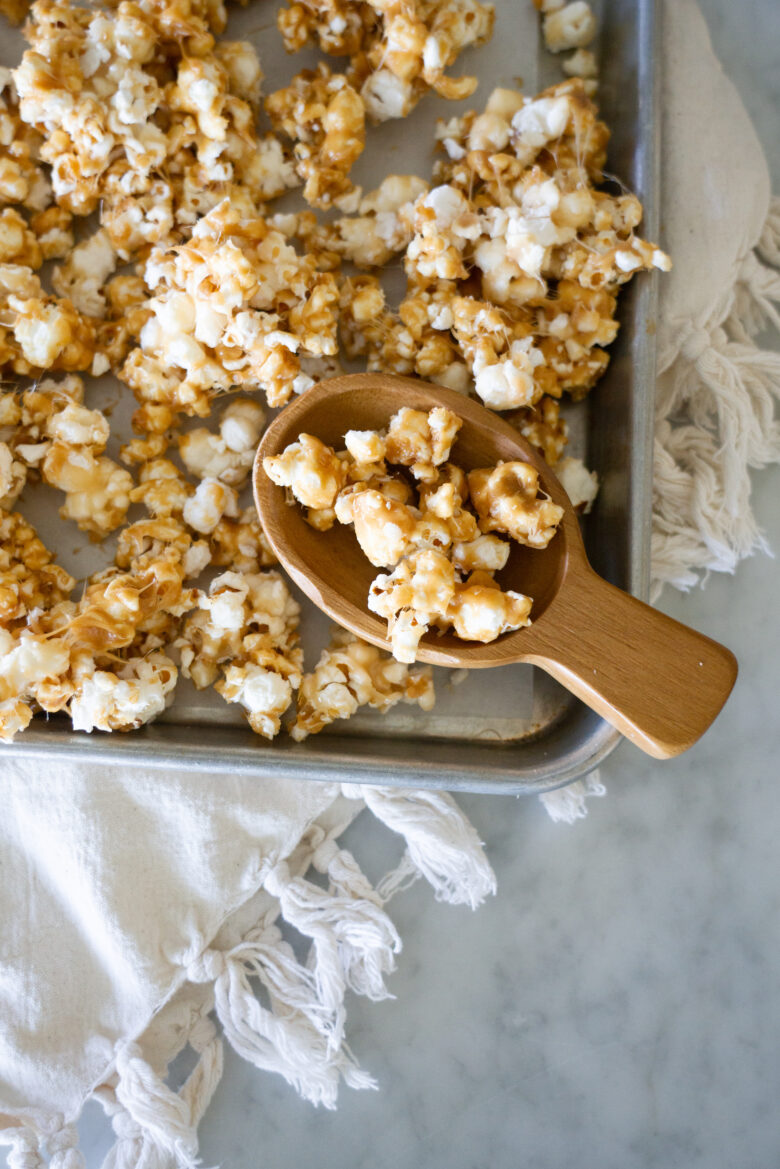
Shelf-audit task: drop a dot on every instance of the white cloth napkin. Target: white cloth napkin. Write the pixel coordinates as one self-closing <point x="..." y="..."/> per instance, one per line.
<point x="134" y="904"/>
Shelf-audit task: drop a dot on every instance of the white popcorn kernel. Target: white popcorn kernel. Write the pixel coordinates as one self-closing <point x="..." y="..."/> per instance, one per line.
<point x="82" y="277"/>
<point x="212" y="500"/>
<point x="571" y="27"/>
<point x="386" y="96"/>
<point x="581" y="64"/>
<point x="580" y="484"/>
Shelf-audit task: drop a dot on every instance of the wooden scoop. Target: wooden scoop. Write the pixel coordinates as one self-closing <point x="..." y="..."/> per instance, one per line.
<point x="659" y="682"/>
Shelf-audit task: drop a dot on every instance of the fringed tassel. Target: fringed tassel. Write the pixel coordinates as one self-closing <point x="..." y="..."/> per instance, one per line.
<point x="298" y="1037"/>
<point x="756" y="293"/>
<point x="441" y="843"/>
<point x="153" y="1124"/>
<point x="364" y="967"/>
<point x="62" y="1146"/>
<point x="133" y="1148"/>
<point x="25" y="1146"/>
<point x="201" y="1084"/>
<point x="768" y="246"/>
<point x="354" y="939"/>
<point x="567" y="804"/>
<point x="702" y="519"/>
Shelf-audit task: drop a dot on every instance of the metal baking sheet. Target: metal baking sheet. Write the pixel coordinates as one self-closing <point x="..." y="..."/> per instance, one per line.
<point x="511" y="729"/>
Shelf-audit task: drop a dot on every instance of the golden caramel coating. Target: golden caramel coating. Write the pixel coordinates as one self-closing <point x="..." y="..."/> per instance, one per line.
<point x="398" y="49"/>
<point x="351" y="674"/>
<point x="229" y="454"/>
<point x="124" y="699"/>
<point x="22" y="179"/>
<point x="97" y="490"/>
<point x="543" y="426"/>
<point x="29" y="579"/>
<point x="145" y="116"/>
<point x="420" y="441"/>
<point x="414" y="596"/>
<point x="162" y="489"/>
<point x="382" y="228"/>
<point x="18" y="244"/>
<point x="45" y="663"/>
<point x="246" y="628"/>
<point x="384" y="527"/>
<point x="13" y="476"/>
<point x="231" y="308"/>
<point x="147" y="540"/>
<point x="239" y="543"/>
<point x="325" y="118"/>
<point x="39" y="331"/>
<point x="310" y="469"/>
<point x="338" y="27"/>
<point x="507" y="499"/>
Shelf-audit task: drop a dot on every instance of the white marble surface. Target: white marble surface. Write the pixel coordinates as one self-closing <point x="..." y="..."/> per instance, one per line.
<point x="616" y="1005"/>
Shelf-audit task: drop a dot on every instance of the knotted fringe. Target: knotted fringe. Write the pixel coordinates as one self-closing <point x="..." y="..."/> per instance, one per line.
<point x="155" y="1127"/>
<point x="567" y="804"/>
<point x="296" y="1026"/>
<point x="297" y="1035"/>
<point x="27" y="1145"/>
<point x="441" y="844"/>
<point x="715" y="421"/>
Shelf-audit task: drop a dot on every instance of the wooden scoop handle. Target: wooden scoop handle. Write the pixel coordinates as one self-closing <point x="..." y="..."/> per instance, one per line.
<point x="659" y="682"/>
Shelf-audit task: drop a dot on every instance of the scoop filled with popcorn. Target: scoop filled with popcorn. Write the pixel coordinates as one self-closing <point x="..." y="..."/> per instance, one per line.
<point x="458" y="594"/>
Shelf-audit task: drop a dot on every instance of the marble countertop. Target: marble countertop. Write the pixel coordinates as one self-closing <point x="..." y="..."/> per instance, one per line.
<point x="616" y="1005"/>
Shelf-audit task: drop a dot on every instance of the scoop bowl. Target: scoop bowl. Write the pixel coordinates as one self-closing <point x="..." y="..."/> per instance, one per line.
<point x="658" y="681"/>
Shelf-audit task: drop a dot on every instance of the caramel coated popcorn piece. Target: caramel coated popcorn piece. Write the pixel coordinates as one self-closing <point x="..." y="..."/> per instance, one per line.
<point x="13" y="476"/>
<point x="97" y="490"/>
<point x="545" y="429"/>
<point x="228" y="455"/>
<point x="580" y="484"/>
<point x="239" y="543"/>
<point x="481" y="611"/>
<point x="246" y="628"/>
<point x="29" y="578"/>
<point x="421" y="441"/>
<point x="312" y="470"/>
<point x="82" y="277"/>
<point x="22" y="179"/>
<point x="122" y="700"/>
<point x="507" y="499"/>
<point x="571" y="27"/>
<point x="325" y="118"/>
<point x="414" y="596"/>
<point x="351" y="674"/>
<point x="232" y="307"/>
<point x="39" y="331"/>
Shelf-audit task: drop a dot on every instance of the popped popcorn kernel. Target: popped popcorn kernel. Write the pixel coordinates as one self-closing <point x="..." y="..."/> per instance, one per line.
<point x="570" y="27"/>
<point x="312" y="471"/>
<point x="351" y="674"/>
<point x="507" y="499"/>
<point x="232" y="307"/>
<point x="421" y="441"/>
<point x="228" y="455"/>
<point x="124" y="699"/>
<point x="246" y="628"/>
